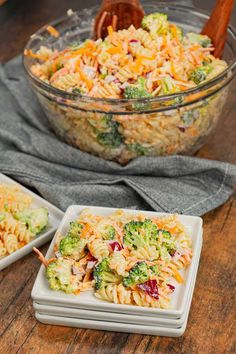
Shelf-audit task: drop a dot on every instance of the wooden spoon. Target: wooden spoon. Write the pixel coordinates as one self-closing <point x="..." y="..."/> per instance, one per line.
<point x="216" y="26"/>
<point x="119" y="14"/>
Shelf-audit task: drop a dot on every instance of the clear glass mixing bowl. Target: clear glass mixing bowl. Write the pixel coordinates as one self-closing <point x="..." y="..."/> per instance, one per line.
<point x="123" y="129"/>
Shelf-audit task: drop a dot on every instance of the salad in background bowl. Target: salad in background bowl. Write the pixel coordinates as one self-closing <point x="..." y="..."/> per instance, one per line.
<point x="153" y="91"/>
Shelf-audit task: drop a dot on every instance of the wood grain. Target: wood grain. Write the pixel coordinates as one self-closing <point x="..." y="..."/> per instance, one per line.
<point x="216" y="26"/>
<point x="211" y="322"/>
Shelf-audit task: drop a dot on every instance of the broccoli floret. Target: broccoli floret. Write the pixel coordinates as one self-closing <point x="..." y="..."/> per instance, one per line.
<point x="140" y="234"/>
<point x="103" y="275"/>
<point x="111" y="137"/>
<point x="102" y="125"/>
<point x="155" y="23"/>
<point x="155" y="269"/>
<point x="60" y="276"/>
<point x="138" y="149"/>
<point x="75" y="229"/>
<point x="200" y="74"/>
<point x="35" y="219"/>
<point x="189" y="117"/>
<point x="203" y="40"/>
<point x="135" y="92"/>
<point x="137" y="275"/>
<point x="77" y="90"/>
<point x="73" y="247"/>
<point x="168" y="86"/>
<point x="138" y="90"/>
<point x="167" y="242"/>
<point x="108" y="232"/>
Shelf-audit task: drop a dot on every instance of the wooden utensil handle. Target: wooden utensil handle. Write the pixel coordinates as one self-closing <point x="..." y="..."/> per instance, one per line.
<point x="216" y="26"/>
<point x="106" y="3"/>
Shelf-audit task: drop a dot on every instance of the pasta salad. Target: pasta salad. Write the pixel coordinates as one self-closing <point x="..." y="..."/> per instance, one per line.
<point x="156" y="59"/>
<point x="123" y="258"/>
<point x="89" y="89"/>
<point x="19" y="222"/>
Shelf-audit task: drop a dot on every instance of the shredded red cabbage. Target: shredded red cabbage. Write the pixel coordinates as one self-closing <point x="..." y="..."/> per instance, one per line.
<point x="150" y="287"/>
<point x="172" y="287"/>
<point x="91" y="258"/>
<point x="115" y="246"/>
<point x="182" y="128"/>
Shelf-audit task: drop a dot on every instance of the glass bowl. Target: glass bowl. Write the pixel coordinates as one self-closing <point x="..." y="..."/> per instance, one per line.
<point x="123" y="129"/>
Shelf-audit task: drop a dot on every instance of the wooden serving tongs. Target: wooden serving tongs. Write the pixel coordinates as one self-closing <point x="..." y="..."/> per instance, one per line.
<point x="216" y="26"/>
<point x="120" y="14"/>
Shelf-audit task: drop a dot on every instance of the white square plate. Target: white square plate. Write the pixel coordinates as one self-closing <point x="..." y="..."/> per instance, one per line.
<point x="42" y="293"/>
<point x="119" y="317"/>
<point x="112" y="326"/>
<point x="55" y="216"/>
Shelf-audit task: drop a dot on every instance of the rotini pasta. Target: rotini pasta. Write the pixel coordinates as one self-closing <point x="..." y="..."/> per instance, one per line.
<point x="10" y="225"/>
<point x="10" y="242"/>
<point x="115" y="293"/>
<point x="98" y="249"/>
<point x="126" y="258"/>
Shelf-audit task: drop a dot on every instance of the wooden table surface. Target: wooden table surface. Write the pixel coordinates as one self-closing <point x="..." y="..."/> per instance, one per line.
<point x="211" y="321"/>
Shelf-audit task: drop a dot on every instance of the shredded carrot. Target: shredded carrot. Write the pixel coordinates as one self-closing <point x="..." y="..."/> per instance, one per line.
<point x="138" y="64"/>
<point x="86" y="51"/>
<point x="77" y="65"/>
<point x="164" y="41"/>
<point x="86" y="230"/>
<point x="29" y="53"/>
<point x="55" y="65"/>
<point x="109" y="30"/>
<point x="193" y="131"/>
<point x="174" y="73"/>
<point x="115" y="50"/>
<point x="91" y="45"/>
<point x="174" y="31"/>
<point x="53" y="32"/>
<point x="178" y="277"/>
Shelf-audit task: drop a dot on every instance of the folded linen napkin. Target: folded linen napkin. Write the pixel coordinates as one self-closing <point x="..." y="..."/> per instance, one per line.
<point x="32" y="154"/>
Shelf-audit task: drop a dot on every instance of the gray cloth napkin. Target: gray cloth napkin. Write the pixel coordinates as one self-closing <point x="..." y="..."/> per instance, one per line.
<point x="32" y="154"/>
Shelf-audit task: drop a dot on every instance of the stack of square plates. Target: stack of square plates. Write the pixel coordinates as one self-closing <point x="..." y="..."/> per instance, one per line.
<point x="87" y="311"/>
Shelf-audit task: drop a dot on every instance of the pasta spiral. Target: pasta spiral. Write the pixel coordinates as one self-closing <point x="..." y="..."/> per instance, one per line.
<point x="98" y="249"/>
<point x="115" y="293"/>
<point x="11" y="225"/>
<point x="10" y="242"/>
<point x="118" y="263"/>
<point x="150" y="253"/>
